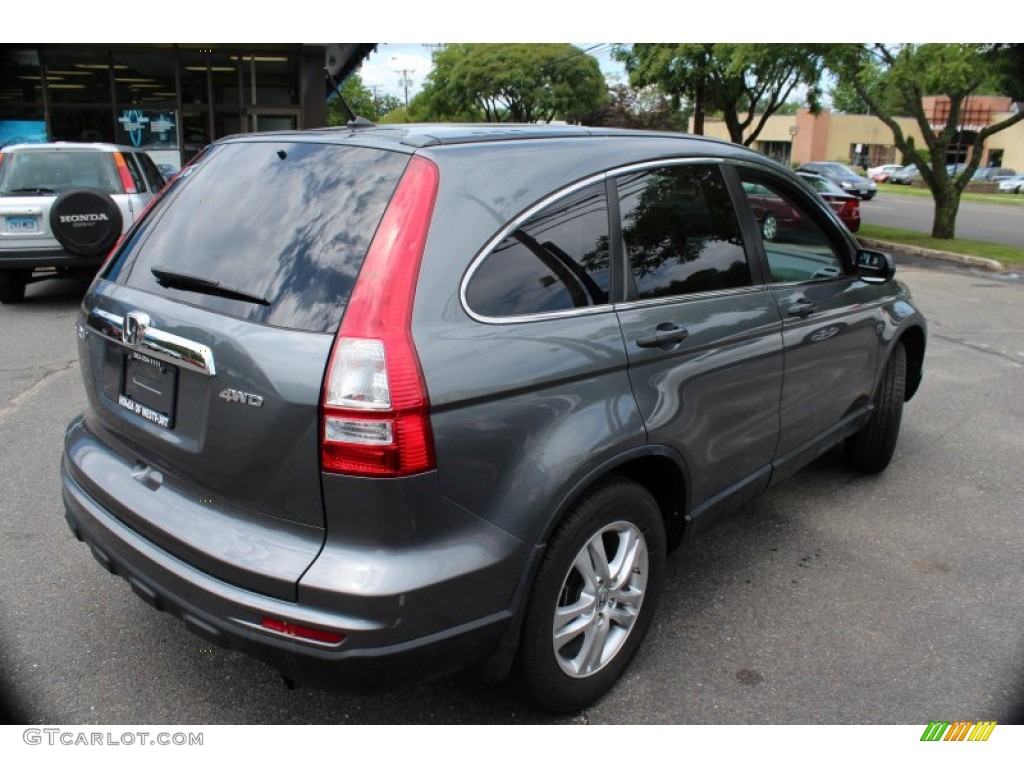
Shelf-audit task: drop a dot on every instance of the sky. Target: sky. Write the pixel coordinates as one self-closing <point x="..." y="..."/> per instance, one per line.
<point x="383" y="67"/>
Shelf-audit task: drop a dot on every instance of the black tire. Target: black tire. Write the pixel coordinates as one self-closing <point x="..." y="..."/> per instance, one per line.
<point x="615" y="531"/>
<point x="871" y="449"/>
<point x="12" y="285"/>
<point x="769" y="227"/>
<point x="86" y="222"/>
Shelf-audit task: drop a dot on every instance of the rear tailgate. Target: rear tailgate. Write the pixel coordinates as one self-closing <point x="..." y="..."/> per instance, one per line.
<point x="204" y="345"/>
<point x="25" y="223"/>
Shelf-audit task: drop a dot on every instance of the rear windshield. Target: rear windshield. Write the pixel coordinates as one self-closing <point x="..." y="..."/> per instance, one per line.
<point x="52" y="171"/>
<point x="273" y="232"/>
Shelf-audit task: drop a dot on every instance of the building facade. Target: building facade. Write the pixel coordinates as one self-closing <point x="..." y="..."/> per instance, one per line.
<point x="170" y="99"/>
<point x="865" y="141"/>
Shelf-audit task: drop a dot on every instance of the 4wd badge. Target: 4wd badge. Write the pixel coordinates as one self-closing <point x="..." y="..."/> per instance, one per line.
<point x="238" y="396"/>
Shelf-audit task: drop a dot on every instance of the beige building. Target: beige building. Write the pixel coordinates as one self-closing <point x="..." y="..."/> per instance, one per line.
<point x="864" y="140"/>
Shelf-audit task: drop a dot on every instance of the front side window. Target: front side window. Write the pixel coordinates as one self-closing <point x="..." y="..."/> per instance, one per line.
<point x="556" y="260"/>
<point x="680" y="231"/>
<point x="794" y="242"/>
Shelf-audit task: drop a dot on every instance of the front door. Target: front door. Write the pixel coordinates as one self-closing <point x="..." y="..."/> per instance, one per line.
<point x="830" y="318"/>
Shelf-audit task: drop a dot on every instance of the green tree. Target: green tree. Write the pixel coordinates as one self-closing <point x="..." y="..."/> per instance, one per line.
<point x="882" y="75"/>
<point x="642" y="108"/>
<point x="396" y="115"/>
<point x="845" y="98"/>
<point x="362" y="100"/>
<point x="510" y="82"/>
<point x="745" y="82"/>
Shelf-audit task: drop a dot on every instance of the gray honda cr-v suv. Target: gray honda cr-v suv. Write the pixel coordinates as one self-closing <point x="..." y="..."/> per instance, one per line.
<point x="376" y="404"/>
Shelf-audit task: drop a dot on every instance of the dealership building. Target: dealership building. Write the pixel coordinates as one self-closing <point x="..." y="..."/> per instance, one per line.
<point x="864" y="140"/>
<point x="169" y="99"/>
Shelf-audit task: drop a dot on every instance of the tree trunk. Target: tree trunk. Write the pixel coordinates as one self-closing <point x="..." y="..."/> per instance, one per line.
<point x="947" y="203"/>
<point x="698" y="107"/>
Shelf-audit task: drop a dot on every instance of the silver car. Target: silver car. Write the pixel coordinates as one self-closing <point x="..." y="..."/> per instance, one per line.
<point x="64" y="205"/>
<point x="1014" y="184"/>
<point x="845" y="177"/>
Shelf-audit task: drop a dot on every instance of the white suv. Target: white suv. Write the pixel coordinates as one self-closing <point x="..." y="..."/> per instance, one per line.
<point x="63" y="206"/>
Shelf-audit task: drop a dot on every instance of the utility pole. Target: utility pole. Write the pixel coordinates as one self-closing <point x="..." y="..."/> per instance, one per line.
<point x="405" y="81"/>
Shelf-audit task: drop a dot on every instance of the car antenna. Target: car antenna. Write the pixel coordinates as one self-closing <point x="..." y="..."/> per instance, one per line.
<point x="355" y="121"/>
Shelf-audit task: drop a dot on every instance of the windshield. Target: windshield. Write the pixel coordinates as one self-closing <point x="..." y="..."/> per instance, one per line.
<point x="52" y="171"/>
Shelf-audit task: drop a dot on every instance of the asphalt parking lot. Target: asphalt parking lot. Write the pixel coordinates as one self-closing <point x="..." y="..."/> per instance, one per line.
<point x="836" y="598"/>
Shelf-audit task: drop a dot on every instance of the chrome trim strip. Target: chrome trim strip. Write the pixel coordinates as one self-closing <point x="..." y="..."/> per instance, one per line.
<point x="684" y="298"/>
<point x="554" y="198"/>
<point x="168" y="347"/>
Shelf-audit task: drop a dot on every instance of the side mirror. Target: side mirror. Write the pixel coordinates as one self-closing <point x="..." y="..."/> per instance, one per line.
<point x="875" y="267"/>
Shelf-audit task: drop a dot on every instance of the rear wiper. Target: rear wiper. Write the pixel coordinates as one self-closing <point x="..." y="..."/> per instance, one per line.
<point x="33" y="190"/>
<point x="170" y="278"/>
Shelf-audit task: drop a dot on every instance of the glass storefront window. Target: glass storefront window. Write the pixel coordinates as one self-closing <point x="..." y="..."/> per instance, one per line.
<point x="145" y="79"/>
<point x="78" y="76"/>
<point x="167" y="98"/>
<point x="21" y="92"/>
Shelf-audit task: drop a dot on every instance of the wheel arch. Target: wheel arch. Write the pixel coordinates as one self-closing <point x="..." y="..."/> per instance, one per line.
<point x="913" y="341"/>
<point x="658" y="469"/>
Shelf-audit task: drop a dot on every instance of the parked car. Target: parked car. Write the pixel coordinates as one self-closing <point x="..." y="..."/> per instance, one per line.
<point x="845" y="177"/>
<point x="846" y="206"/>
<point x="374" y="404"/>
<point x="993" y="174"/>
<point x="881" y="173"/>
<point x="779" y="219"/>
<point x="1012" y="184"/>
<point x="905" y="175"/>
<point x="63" y="207"/>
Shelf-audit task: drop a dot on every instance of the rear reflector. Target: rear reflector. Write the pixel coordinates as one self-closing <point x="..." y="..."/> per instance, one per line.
<point x="375" y="407"/>
<point x="298" y="630"/>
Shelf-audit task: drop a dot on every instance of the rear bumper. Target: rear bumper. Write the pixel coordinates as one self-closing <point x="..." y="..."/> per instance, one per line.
<point x="376" y="655"/>
<point x="41" y="259"/>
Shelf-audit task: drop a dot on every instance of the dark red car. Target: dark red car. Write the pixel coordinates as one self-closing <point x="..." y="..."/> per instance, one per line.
<point x="847" y="206"/>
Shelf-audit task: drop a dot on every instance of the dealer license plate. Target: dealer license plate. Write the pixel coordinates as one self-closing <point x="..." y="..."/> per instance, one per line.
<point x="149" y="388"/>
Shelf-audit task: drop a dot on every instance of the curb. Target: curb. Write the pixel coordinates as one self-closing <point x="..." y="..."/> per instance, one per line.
<point x="978" y="262"/>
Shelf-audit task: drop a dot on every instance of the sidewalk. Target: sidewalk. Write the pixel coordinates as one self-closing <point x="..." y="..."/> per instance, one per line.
<point x="977" y="262"/>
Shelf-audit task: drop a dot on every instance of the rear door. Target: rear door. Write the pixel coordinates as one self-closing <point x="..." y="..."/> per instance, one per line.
<point x="703" y="335"/>
<point x="205" y="344"/>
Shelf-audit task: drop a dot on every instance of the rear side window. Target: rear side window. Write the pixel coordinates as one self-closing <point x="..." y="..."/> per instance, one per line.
<point x="680" y="232"/>
<point x="154" y="178"/>
<point x="272" y="232"/>
<point x="131" y="160"/>
<point x="556" y="260"/>
<point x="52" y="171"/>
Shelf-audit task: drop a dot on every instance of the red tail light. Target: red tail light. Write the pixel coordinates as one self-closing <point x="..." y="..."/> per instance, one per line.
<point x="126" y="177"/>
<point x="375" y="409"/>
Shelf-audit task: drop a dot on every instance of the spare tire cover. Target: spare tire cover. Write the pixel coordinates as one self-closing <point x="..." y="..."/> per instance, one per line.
<point x="86" y="222"/>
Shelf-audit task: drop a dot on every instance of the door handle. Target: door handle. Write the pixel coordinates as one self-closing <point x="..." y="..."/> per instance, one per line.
<point x="666" y="335"/>
<point x="801" y="308"/>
